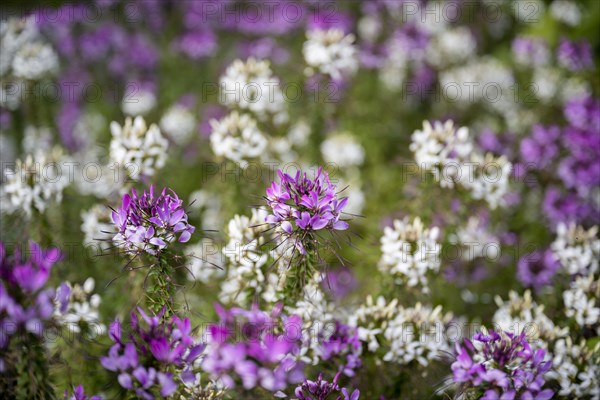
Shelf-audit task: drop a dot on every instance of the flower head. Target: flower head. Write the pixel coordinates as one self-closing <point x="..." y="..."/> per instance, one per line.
<point x="149" y="222"/>
<point x="322" y="390"/>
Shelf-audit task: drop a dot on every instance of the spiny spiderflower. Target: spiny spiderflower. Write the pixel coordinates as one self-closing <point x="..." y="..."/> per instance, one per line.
<point x="254" y="347"/>
<point x="156" y="358"/>
<point x="302" y="206"/>
<point x="79" y="394"/>
<point x="502" y="365"/>
<point x="323" y="390"/>
<point x="149" y="222"/>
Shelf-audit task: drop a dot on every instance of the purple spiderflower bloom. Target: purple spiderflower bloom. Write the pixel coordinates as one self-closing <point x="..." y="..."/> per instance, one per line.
<point x="254" y="348"/>
<point x="575" y="56"/>
<point x="301" y="206"/>
<point x="149" y="222"/>
<point x="503" y="365"/>
<point x="537" y="269"/>
<point x="344" y="342"/>
<point x="197" y="44"/>
<point x="322" y="390"/>
<point x="79" y="394"/>
<point x="541" y="148"/>
<point x="155" y="356"/>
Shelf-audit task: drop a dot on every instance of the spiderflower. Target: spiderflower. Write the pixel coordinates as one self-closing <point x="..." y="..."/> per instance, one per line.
<point x="255" y="348"/>
<point x="501" y="365"/>
<point x="302" y="206"/>
<point x="149" y="222"/>
<point x="156" y="359"/>
<point x="79" y="394"/>
<point x="323" y="390"/>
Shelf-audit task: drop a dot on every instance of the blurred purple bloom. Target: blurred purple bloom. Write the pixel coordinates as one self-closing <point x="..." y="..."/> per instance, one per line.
<point x="322" y="390"/>
<point x="575" y="56"/>
<point x="197" y="44"/>
<point x="79" y="394"/>
<point x="540" y="148"/>
<point x="537" y="269"/>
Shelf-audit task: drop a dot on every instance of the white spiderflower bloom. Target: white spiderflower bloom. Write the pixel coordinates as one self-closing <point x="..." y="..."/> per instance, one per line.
<point x="237" y="138"/>
<point x="451" y="46"/>
<point x="330" y="52"/>
<point x="566" y="11"/>
<point x="343" y="150"/>
<point x="138" y="149"/>
<point x="97" y="226"/>
<point x="82" y="309"/>
<point x="205" y="261"/>
<point x="576" y="369"/>
<point x="140" y="102"/>
<point x="35" y="60"/>
<point x="487" y="178"/>
<point x="178" y="123"/>
<point x="582" y="302"/>
<point x="409" y="252"/>
<point x="577" y="249"/>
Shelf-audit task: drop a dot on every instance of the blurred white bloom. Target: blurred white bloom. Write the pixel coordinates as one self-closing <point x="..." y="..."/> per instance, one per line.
<point x="11" y="93"/>
<point x="33" y="183"/>
<point x="487" y="178"/>
<point x="369" y="27"/>
<point x="34" y="61"/>
<point x="330" y="52"/>
<point x="97" y="226"/>
<point x="179" y="123"/>
<point x="452" y="46"/>
<point x="371" y="319"/>
<point x="87" y="129"/>
<point x="409" y="252"/>
<point x="577" y="249"/>
<point x="282" y="148"/>
<point x="576" y="369"/>
<point x="546" y="82"/>
<point x="566" y="11"/>
<point x="204" y="261"/>
<point x="519" y="314"/>
<point x="351" y="188"/>
<point x="139" y="150"/>
<point x="237" y="138"/>
<point x="528" y="11"/>
<point x="82" y="309"/>
<point x="477" y="240"/>
<point x="37" y="140"/>
<point x="299" y="133"/>
<point x="417" y="334"/>
<point x="574" y="88"/>
<point x="343" y="150"/>
<point x="440" y="148"/>
<point x="140" y="102"/>
<point x="251" y="86"/>
<point x="209" y="204"/>
<point x="582" y="302"/>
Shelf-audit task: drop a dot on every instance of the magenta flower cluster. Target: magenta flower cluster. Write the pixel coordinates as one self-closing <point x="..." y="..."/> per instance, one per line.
<point x="323" y="390"/>
<point x="26" y="305"/>
<point x="502" y="365"/>
<point x="256" y="347"/>
<point x="149" y="222"/>
<point x="343" y="343"/>
<point x="79" y="394"/>
<point x="302" y="205"/>
<point x="156" y="357"/>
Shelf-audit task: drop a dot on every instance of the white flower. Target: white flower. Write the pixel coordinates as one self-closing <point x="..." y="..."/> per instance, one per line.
<point x="97" y="226"/>
<point x="210" y="206"/>
<point x="566" y="11"/>
<point x="34" y="61"/>
<point x="139" y="150"/>
<point x="547" y="81"/>
<point x="582" y="302"/>
<point x="371" y="319"/>
<point x="37" y="140"/>
<point x="299" y="133"/>
<point x="251" y="86"/>
<point x="331" y="53"/>
<point x="451" y="46"/>
<point x="577" y="249"/>
<point x="477" y="240"/>
<point x="343" y="150"/>
<point x="15" y="34"/>
<point x="528" y="11"/>
<point x="139" y="102"/>
<point x="440" y="148"/>
<point x="237" y="138"/>
<point x="519" y="314"/>
<point x="576" y="369"/>
<point x="205" y="261"/>
<point x="82" y="308"/>
<point x="417" y="334"/>
<point x="409" y="251"/>
<point x="178" y="123"/>
<point x="33" y="183"/>
<point x="487" y="178"/>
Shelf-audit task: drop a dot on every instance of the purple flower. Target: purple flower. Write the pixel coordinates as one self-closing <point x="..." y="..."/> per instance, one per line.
<point x="154" y="356"/>
<point x="540" y="149"/>
<point x="149" y="222"/>
<point x="503" y="365"/>
<point x="301" y="206"/>
<point x="322" y="390"/>
<point x="261" y="353"/>
<point x="575" y="56"/>
<point x="530" y="51"/>
<point x="537" y="269"/>
<point x="343" y="342"/>
<point x="197" y="44"/>
<point x="79" y="394"/>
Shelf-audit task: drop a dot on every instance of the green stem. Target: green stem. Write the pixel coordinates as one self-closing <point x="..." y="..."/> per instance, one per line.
<point x="161" y="294"/>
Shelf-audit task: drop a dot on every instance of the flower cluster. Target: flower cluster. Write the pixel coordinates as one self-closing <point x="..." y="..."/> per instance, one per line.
<point x="156" y="358"/>
<point x="140" y="150"/>
<point x="501" y="365"/>
<point x="179" y="123"/>
<point x="264" y="354"/>
<point x="34" y="184"/>
<point x="537" y="269"/>
<point x="79" y="394"/>
<point x="330" y="52"/>
<point x="149" y="222"/>
<point x="26" y="304"/>
<point x="82" y="307"/>
<point x="323" y="390"/>
<point x="301" y="205"/>
<point x="237" y="138"/>
<point x="409" y="252"/>
<point x="582" y="302"/>
<point x="576" y="368"/>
